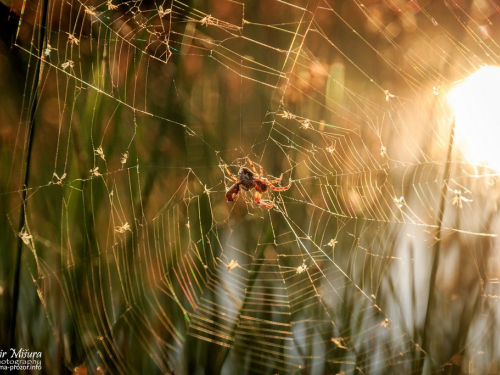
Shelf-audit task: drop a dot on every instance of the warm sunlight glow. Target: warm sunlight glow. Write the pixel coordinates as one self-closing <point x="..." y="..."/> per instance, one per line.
<point x="476" y="105"/>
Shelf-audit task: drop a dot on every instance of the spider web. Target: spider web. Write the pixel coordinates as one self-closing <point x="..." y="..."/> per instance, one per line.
<point x="142" y="266"/>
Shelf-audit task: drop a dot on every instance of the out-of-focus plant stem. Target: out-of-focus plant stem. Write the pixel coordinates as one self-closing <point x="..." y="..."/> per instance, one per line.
<point x="437" y="245"/>
<point x="27" y="162"/>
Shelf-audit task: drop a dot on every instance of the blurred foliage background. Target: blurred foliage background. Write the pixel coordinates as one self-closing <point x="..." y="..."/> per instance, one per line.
<point x="381" y="257"/>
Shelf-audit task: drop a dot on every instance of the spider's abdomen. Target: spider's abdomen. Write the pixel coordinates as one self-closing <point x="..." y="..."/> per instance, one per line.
<point x="246" y="178"/>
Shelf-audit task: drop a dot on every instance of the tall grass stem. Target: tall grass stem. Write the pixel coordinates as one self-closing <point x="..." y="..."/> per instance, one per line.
<point x="30" y="136"/>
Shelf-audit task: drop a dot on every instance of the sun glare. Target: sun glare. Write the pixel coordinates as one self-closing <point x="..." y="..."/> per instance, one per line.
<point x="476" y="106"/>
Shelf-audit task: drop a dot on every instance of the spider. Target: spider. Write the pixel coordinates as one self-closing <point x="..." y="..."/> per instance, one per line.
<point x="248" y="180"/>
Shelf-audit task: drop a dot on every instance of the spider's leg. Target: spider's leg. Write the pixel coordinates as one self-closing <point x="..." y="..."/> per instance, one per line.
<point x="231" y="175"/>
<point x="280" y="188"/>
<point x="276" y="181"/>
<point x="261" y="203"/>
<point x="254" y="169"/>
